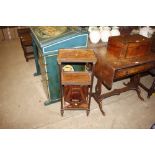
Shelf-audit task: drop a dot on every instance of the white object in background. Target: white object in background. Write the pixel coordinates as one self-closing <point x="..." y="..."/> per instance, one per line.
<point x="94" y="34"/>
<point x="105" y="33"/>
<point x="146" y="31"/>
<point x="68" y="68"/>
<point x="115" y="31"/>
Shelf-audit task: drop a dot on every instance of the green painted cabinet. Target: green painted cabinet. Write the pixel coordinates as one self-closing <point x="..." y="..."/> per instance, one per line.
<point x="46" y="51"/>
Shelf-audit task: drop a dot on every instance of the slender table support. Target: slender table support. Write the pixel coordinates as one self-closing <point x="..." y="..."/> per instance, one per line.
<point x="133" y="84"/>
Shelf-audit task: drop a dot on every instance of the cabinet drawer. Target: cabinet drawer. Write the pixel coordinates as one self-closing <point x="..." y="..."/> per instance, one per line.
<point x="133" y="70"/>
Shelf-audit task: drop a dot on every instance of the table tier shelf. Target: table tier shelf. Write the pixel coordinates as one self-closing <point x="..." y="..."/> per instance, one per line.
<point x="76" y="78"/>
<point x="78" y="106"/>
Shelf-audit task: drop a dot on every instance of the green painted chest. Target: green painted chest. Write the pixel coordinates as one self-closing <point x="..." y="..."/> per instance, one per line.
<point x="46" y="51"/>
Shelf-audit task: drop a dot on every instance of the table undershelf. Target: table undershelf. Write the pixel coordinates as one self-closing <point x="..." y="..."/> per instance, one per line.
<point x="76" y="78"/>
<point x="76" y="106"/>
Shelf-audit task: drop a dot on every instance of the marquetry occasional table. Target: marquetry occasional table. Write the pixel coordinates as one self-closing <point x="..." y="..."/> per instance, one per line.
<point x="76" y="86"/>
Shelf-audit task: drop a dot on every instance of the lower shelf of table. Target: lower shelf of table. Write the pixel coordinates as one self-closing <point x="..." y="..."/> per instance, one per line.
<point x="78" y="106"/>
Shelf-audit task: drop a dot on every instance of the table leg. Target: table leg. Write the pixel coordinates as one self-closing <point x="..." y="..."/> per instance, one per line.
<point x="133" y="84"/>
<point x="97" y="95"/>
<point x="151" y="90"/>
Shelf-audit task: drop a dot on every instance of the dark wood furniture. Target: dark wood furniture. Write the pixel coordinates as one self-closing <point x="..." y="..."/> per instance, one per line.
<point x="126" y="30"/>
<point x="76" y="86"/>
<point x="8" y="32"/>
<point x="109" y="69"/>
<point x="128" y="46"/>
<point x="150" y="90"/>
<point x="26" y="42"/>
<point x="153" y="43"/>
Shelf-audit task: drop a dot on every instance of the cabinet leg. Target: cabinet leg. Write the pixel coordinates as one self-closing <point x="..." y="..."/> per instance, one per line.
<point x="35" y="50"/>
<point x="50" y="101"/>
